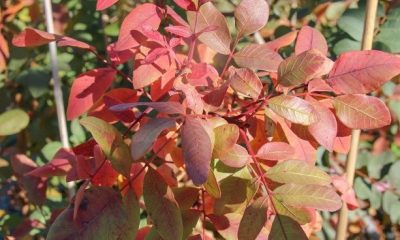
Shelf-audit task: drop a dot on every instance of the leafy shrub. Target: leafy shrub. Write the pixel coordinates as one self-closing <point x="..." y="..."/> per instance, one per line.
<point x="242" y="132"/>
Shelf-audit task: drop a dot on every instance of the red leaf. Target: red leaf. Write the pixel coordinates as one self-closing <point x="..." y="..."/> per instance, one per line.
<point x="276" y="151"/>
<point x="145" y="74"/>
<point x="319" y="85"/>
<point x="246" y="82"/>
<point x="258" y="56"/>
<point x="282" y="41"/>
<point x="119" y="57"/>
<point x="58" y="166"/>
<point x="363" y="71"/>
<point x="103" y="4"/>
<point x="188" y="5"/>
<point x="181" y="31"/>
<point x="251" y="16"/>
<point x="208" y="15"/>
<point x="310" y="38"/>
<point x="104" y="174"/>
<point x="325" y="129"/>
<point x="143" y="15"/>
<point x="35" y="186"/>
<point x="87" y="89"/>
<point x="197" y="149"/>
<point x="343" y="138"/>
<point x="359" y="111"/>
<point x="193" y="98"/>
<point x="31" y="37"/>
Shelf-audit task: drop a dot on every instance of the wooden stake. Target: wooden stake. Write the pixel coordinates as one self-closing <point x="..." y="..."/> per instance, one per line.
<point x="368" y="35"/>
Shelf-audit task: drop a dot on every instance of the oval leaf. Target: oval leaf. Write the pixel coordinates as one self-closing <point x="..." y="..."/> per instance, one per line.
<point x="299" y="172"/>
<point x="143" y="139"/>
<point x="209" y="16"/>
<point x="254" y="218"/>
<point x="236" y="157"/>
<point x="111" y="142"/>
<point x="363" y="71"/>
<point x="101" y="213"/>
<point x="359" y="111"/>
<point x="313" y="196"/>
<point x="293" y="109"/>
<point x="301" y="215"/>
<point x="276" y="151"/>
<point x="197" y="149"/>
<point x="258" y="56"/>
<point x="285" y="228"/>
<point x="310" y="38"/>
<point x="299" y="69"/>
<point x="162" y="206"/>
<point x="13" y="121"/>
<point x="86" y="89"/>
<point x="226" y="137"/>
<point x="246" y="82"/>
<point x="251" y="16"/>
<point x="103" y="4"/>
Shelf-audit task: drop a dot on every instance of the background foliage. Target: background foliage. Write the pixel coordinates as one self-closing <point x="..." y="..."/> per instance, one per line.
<point x="27" y="97"/>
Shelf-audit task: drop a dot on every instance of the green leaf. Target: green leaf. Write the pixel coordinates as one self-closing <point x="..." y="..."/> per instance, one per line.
<point x="361" y="188"/>
<point x="301" y="215"/>
<point x="314" y="196"/>
<point x="299" y="172"/>
<point x="390" y="32"/>
<point x="111" y="142"/>
<point x="394" y="176"/>
<point x="345" y="45"/>
<point x="102" y="215"/>
<point x="13" y="121"/>
<point x="162" y="206"/>
<point x="212" y="186"/>
<point x="285" y="228"/>
<point x="352" y="22"/>
<point x="254" y="218"/>
<point x="293" y="109"/>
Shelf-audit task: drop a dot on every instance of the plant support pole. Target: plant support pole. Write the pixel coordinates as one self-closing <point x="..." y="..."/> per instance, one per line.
<point x="58" y="96"/>
<point x="368" y="35"/>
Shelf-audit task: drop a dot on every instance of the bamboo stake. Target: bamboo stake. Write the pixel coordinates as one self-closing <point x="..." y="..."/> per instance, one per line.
<point x="58" y="96"/>
<point x="368" y="35"/>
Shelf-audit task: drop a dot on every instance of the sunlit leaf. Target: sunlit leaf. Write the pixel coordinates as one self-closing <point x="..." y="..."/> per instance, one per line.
<point x="285" y="228"/>
<point x="299" y="172"/>
<point x="276" y="151"/>
<point x="258" y="56"/>
<point x="363" y="71"/>
<point x="313" y="196"/>
<point x="362" y="111"/>
<point x="246" y="82"/>
<point x="300" y="215"/>
<point x="251" y="16"/>
<point x="310" y="38"/>
<point x="111" y="142"/>
<point x="208" y="15"/>
<point x="293" y="109"/>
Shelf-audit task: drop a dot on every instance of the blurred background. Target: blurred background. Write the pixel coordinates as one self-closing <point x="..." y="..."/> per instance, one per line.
<point x="28" y="121"/>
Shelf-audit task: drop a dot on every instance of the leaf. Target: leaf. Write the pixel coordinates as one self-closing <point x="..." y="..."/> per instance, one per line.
<point x="276" y="151"/>
<point x="164" y="107"/>
<point x="362" y="112"/>
<point x="190" y="217"/>
<point x="250" y="16"/>
<point x="207" y="16"/>
<point x="313" y="196"/>
<point x="31" y="37"/>
<point x="143" y="15"/>
<point x="301" y="68"/>
<point x="246" y="82"/>
<point x="58" y="166"/>
<point x="35" y="187"/>
<point x="103" y="4"/>
<point x="212" y="186"/>
<point x="186" y="197"/>
<point x="325" y="129"/>
<point x="258" y="56"/>
<point x="299" y="172"/>
<point x="162" y="206"/>
<point x="87" y="88"/>
<point x="192" y="96"/>
<point x="144" y="138"/>
<point x="111" y="142"/>
<point x="226" y="137"/>
<point x="13" y="121"/>
<point x="389" y="32"/>
<point x="190" y="5"/>
<point x="236" y="157"/>
<point x="310" y="38"/>
<point x="102" y="214"/>
<point x="363" y="71"/>
<point x="285" y="228"/>
<point x="197" y="150"/>
<point x="300" y="215"/>
<point x="254" y="218"/>
<point x="293" y="109"/>
<point x="147" y="73"/>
